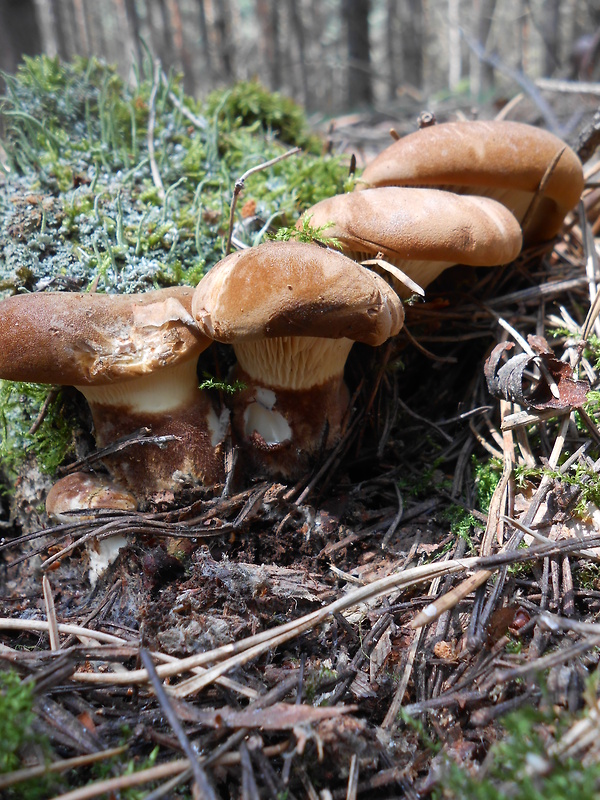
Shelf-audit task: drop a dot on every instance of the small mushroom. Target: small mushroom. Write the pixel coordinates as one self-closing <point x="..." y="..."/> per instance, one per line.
<point x="292" y="312"/>
<point x="81" y="491"/>
<point x="134" y="358"/>
<point x="509" y="161"/>
<point x="419" y="231"/>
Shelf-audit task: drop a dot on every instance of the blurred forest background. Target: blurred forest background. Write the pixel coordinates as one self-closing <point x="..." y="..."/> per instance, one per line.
<point x="331" y="56"/>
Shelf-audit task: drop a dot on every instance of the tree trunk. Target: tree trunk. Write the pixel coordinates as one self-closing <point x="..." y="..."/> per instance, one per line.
<point x="205" y="39"/>
<point x="82" y="29"/>
<point x="454" y="50"/>
<point x="391" y="46"/>
<point x="297" y="25"/>
<point x="522" y="37"/>
<point x="183" y="59"/>
<point x="224" y="37"/>
<point x="550" y="29"/>
<point x="413" y="44"/>
<point x="482" y="73"/>
<point x="359" y="87"/>
<point x="268" y="18"/>
<point x="19" y="32"/>
<point x="133" y="22"/>
<point x="165" y="45"/>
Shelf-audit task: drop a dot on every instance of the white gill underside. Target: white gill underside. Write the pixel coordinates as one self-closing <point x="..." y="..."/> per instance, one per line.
<point x="293" y="362"/>
<point x="260" y="417"/>
<point x="217" y="425"/>
<point x="164" y="390"/>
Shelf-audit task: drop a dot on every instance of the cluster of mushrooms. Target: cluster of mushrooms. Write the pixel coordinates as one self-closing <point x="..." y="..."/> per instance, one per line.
<point x="454" y="193"/>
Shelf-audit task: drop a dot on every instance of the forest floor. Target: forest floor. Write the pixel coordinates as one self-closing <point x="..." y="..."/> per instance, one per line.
<point x="367" y="630"/>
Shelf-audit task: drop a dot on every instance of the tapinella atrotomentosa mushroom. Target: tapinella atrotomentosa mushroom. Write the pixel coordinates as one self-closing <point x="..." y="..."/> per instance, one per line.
<point x="292" y="312"/>
<point x="134" y="358"/>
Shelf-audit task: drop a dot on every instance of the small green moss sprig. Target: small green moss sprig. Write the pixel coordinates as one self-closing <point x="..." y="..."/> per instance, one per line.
<point x="106" y="769"/>
<point x="16" y="731"/>
<point x="308" y="234"/>
<point x="591" y="349"/>
<point x="210" y="383"/>
<point x="16" y="717"/>
<point x="487" y="475"/>
<point x="582" y="476"/>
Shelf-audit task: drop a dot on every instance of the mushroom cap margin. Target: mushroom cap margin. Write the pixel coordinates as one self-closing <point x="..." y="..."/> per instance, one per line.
<point x="291" y="288"/>
<point x="418" y="224"/>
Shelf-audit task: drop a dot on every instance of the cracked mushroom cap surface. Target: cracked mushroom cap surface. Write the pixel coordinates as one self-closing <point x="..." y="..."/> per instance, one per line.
<point x="418" y="224"/>
<point x="292" y="289"/>
<point x="497" y="158"/>
<point x="87" y="339"/>
<point x="81" y="490"/>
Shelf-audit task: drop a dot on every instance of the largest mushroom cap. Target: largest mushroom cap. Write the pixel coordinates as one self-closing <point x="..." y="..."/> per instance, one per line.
<point x="293" y="289"/>
<point x="501" y="159"/>
<point x="96" y="339"/>
<point x="421" y="231"/>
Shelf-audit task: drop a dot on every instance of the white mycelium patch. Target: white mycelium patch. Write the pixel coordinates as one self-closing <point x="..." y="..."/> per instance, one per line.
<point x="217" y="426"/>
<point x="102" y="553"/>
<point x="259" y="417"/>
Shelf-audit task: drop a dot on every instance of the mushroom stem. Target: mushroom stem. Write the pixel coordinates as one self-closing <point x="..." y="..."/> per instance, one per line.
<point x="292" y="311"/>
<point x="177" y="412"/>
<point x="282" y="429"/>
<point x="154" y="393"/>
<point x="294" y="402"/>
<point x="134" y="358"/>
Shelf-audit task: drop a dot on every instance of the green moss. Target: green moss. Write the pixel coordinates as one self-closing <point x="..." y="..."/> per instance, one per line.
<point x="249" y="104"/>
<point x="77" y="138"/>
<point x="20" y="404"/>
<point x="520" y="767"/>
<point x="16" y="717"/>
<point x="104" y="770"/>
<point x="16" y="721"/>
<point x="211" y="383"/>
<point x="582" y="476"/>
<point x="487" y="474"/>
<point x="307" y="234"/>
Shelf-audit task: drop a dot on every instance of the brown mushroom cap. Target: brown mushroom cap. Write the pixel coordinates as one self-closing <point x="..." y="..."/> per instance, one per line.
<point x="282" y="289"/>
<point x="501" y="159"/>
<point x="421" y="231"/>
<point x="83" y="490"/>
<point x="96" y="339"/>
